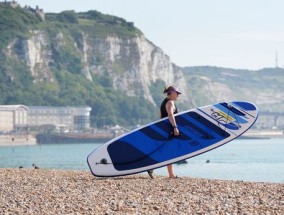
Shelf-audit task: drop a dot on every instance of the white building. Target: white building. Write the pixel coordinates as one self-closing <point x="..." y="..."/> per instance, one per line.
<point x="66" y="118"/>
<point x="13" y="117"/>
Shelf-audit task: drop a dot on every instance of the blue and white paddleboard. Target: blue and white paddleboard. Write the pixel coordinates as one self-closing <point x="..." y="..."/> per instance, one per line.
<point x="152" y="146"/>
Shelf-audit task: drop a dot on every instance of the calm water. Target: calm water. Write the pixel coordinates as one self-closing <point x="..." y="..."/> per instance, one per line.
<point x="248" y="160"/>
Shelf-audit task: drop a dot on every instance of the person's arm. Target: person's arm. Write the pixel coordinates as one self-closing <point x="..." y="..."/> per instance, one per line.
<point x="170" y="107"/>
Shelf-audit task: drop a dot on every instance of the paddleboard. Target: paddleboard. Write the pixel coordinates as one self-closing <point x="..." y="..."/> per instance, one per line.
<point x="152" y="146"/>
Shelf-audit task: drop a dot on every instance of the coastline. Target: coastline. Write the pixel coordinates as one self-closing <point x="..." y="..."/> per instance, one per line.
<point x="17" y="140"/>
<point x="40" y="191"/>
<point x="264" y="134"/>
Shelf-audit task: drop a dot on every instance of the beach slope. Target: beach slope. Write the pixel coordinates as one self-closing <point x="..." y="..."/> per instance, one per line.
<point x="41" y="191"/>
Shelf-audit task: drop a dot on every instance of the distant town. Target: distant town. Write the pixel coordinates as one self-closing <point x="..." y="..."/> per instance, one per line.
<point x="39" y="12"/>
<point x="21" y="118"/>
<point x="42" y="124"/>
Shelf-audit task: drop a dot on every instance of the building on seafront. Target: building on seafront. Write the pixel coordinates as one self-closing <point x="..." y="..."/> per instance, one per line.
<point x="13" y="117"/>
<point x="20" y="118"/>
<point x="62" y="118"/>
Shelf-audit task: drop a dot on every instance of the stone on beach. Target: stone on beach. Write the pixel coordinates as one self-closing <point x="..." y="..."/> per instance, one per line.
<point x="42" y="191"/>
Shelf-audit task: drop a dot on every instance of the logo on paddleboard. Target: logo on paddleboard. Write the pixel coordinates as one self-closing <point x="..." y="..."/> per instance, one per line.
<point x="225" y="119"/>
<point x="221" y="116"/>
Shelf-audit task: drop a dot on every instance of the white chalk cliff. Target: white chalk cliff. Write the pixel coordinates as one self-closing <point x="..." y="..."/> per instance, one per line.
<point x="133" y="63"/>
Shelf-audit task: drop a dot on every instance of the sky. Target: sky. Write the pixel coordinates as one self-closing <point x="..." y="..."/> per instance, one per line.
<point x="240" y="34"/>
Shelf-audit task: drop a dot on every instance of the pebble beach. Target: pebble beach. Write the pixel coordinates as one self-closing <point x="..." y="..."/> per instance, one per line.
<point x="43" y="191"/>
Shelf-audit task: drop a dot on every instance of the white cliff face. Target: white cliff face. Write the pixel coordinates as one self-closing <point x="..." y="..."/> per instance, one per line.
<point x="113" y="46"/>
<point x="155" y="65"/>
<point x="33" y="53"/>
<point x="36" y="55"/>
<point x="134" y="63"/>
<point x="146" y="62"/>
<point x="86" y="69"/>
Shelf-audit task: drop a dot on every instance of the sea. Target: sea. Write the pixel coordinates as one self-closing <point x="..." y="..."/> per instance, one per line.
<point x="253" y="160"/>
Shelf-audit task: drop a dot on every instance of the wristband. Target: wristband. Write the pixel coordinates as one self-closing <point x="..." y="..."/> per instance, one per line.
<point x="174" y="126"/>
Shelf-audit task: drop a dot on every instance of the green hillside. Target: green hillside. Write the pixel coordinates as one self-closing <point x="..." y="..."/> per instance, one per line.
<point x="15" y="22"/>
<point x="70" y="88"/>
<point x="264" y="87"/>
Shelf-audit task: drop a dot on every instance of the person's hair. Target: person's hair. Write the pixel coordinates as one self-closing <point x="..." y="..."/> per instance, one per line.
<point x="168" y="90"/>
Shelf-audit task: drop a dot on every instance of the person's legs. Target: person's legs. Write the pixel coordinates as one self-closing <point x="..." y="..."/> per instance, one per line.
<point x="170" y="171"/>
<point x="150" y="172"/>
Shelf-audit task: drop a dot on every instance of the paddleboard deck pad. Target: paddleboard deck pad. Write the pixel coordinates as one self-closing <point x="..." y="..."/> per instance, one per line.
<point x="152" y="146"/>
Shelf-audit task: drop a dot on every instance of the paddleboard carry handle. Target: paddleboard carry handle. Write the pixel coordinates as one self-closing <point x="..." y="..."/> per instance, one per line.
<point x="171" y="136"/>
<point x="103" y="161"/>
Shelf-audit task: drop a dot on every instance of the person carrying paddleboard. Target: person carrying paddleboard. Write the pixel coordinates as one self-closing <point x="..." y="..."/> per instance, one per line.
<point x="168" y="109"/>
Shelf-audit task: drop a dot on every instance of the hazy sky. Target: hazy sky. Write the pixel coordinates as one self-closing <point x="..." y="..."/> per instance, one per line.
<point x="227" y="33"/>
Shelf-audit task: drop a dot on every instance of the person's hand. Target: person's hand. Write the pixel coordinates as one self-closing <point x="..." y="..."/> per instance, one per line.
<point x="176" y="131"/>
